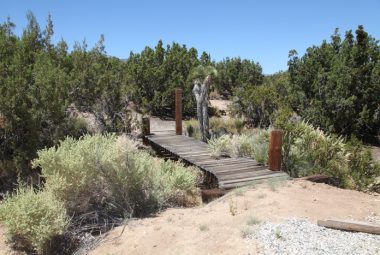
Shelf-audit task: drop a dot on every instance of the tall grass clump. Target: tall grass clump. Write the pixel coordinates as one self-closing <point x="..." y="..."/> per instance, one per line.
<point x="252" y="144"/>
<point x="192" y="128"/>
<point x="259" y="141"/>
<point x="219" y="146"/>
<point x="31" y="218"/>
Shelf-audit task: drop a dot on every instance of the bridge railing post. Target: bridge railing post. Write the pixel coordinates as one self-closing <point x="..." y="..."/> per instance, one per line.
<point x="275" y="148"/>
<point x="145" y="129"/>
<point x="178" y="111"/>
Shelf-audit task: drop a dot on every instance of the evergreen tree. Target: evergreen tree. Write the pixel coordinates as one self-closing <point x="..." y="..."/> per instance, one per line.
<point x="335" y="85"/>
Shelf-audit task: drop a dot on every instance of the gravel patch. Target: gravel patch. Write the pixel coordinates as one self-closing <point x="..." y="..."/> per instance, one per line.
<point x="297" y="236"/>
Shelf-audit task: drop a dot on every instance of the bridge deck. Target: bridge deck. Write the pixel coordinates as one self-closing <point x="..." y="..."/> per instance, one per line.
<point x="228" y="172"/>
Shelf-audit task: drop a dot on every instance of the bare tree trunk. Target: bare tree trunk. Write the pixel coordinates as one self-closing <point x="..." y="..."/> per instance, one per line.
<point x="198" y="99"/>
<point x="205" y="118"/>
<point x="200" y="91"/>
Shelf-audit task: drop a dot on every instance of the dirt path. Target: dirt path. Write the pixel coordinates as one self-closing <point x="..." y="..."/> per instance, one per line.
<point x="216" y="228"/>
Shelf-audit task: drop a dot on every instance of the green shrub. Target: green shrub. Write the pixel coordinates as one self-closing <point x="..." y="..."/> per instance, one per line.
<point x="239" y="125"/>
<point x="308" y="150"/>
<point x="217" y="126"/>
<point x="192" y="128"/>
<point x="363" y="169"/>
<point x="219" y="146"/>
<point x="109" y="174"/>
<point x="260" y="153"/>
<point x="32" y="219"/>
<point x="230" y="126"/>
<point x="254" y="144"/>
<point x="72" y="168"/>
<point x="245" y="145"/>
<point x="259" y="145"/>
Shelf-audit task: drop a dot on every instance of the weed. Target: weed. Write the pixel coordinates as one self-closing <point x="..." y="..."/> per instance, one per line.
<point x="240" y="191"/>
<point x="203" y="227"/>
<point x="246" y="205"/>
<point x="261" y="196"/>
<point x="253" y="221"/>
<point x="219" y="146"/>
<point x="278" y="233"/>
<point x="246" y="232"/>
<point x="275" y="183"/>
<point x="233" y="207"/>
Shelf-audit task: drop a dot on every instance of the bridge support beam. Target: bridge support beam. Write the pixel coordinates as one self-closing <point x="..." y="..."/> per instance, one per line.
<point x="178" y="111"/>
<point x="275" y="147"/>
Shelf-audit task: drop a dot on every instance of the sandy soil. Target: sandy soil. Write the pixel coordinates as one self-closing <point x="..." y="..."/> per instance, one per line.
<point x="215" y="228"/>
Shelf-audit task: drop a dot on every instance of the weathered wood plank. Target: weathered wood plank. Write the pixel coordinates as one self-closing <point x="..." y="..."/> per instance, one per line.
<point x="235" y="165"/>
<point x="238" y="176"/>
<point x="350" y="226"/>
<point x="274" y="174"/>
<point x="252" y="169"/>
<point x="230" y="172"/>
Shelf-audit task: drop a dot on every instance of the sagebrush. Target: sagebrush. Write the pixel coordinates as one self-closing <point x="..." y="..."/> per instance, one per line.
<point x="31" y="218"/>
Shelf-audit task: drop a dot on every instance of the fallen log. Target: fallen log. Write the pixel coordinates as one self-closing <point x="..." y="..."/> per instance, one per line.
<point x="351" y="226"/>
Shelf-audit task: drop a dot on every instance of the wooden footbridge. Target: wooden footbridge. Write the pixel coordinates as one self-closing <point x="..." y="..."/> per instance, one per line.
<point x="222" y="173"/>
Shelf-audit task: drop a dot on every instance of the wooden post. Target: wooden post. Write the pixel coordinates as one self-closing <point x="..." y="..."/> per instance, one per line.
<point x="275" y="147"/>
<point x="178" y="111"/>
<point x="145" y="126"/>
<point x="145" y="129"/>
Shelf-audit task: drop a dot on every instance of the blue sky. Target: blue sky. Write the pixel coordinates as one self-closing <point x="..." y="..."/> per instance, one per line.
<point x="263" y="31"/>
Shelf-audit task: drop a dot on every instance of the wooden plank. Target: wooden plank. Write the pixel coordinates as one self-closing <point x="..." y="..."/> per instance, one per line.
<point x="239" y="184"/>
<point x="233" y="166"/>
<point x="177" y="141"/>
<point x="222" y="161"/>
<point x="239" y="176"/>
<point x="191" y="152"/>
<point x="274" y="174"/>
<point x="230" y="172"/>
<point x="195" y="159"/>
<point x="240" y="170"/>
<point x="183" y="148"/>
<point x="187" y="147"/>
<point x="165" y="138"/>
<point x="245" y="183"/>
<point x="350" y="226"/>
<point x="172" y="136"/>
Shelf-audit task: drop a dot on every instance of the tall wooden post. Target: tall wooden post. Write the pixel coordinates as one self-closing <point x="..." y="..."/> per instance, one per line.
<point x="275" y="146"/>
<point x="145" y="129"/>
<point x="178" y="111"/>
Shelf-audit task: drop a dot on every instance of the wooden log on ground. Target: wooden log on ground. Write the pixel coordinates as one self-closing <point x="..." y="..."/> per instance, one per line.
<point x="351" y="226"/>
<point x="178" y="111"/>
<point x="275" y="147"/>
